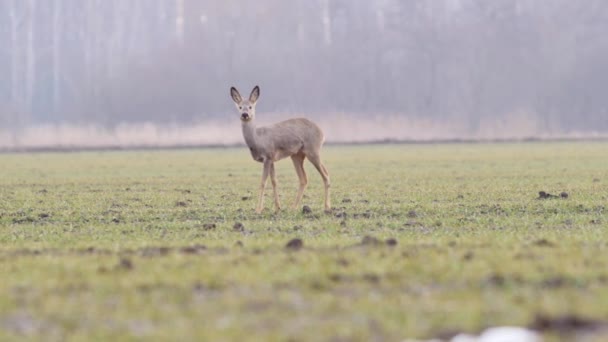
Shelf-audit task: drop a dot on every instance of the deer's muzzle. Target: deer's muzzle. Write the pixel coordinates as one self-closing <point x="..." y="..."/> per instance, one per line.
<point x="245" y="116"/>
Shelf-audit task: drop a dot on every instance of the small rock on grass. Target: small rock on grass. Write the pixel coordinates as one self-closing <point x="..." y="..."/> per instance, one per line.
<point x="295" y="244"/>
<point x="306" y="210"/>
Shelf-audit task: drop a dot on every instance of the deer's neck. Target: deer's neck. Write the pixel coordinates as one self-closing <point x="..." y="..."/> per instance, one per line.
<point x="249" y="133"/>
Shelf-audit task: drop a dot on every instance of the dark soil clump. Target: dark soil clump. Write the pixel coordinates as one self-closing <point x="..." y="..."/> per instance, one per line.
<point x="544" y="243"/>
<point x="125" y="264"/>
<point x="295" y="244"/>
<point x="565" y="324"/>
<point x="546" y="195"/>
<point x="370" y="241"/>
<point x="209" y="226"/>
<point x="391" y="242"/>
<point x="196" y="249"/>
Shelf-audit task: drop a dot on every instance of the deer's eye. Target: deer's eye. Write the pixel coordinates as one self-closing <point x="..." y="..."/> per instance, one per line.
<point x="240" y="107"/>
<point x="249" y="107"/>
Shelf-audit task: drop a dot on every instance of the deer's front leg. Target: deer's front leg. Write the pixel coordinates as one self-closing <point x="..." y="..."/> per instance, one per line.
<point x="267" y="166"/>
<point x="273" y="180"/>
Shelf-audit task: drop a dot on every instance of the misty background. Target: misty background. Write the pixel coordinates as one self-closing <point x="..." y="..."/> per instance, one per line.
<point x="157" y="72"/>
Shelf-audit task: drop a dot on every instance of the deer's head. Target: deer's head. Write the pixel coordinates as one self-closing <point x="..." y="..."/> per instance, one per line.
<point x="246" y="107"/>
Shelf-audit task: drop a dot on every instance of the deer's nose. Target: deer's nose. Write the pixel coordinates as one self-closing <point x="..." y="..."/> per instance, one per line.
<point x="245" y="116"/>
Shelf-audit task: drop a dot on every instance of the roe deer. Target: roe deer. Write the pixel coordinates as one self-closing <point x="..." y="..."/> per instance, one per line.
<point x="296" y="138"/>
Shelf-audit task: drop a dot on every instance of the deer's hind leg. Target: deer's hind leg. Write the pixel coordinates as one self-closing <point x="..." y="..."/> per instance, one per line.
<point x="298" y="163"/>
<point x="316" y="161"/>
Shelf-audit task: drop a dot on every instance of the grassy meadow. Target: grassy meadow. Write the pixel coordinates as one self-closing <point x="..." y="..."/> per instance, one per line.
<point x="423" y="240"/>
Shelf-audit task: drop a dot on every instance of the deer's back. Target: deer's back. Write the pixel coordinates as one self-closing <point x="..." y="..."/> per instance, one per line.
<point x="302" y="128"/>
<point x="293" y="136"/>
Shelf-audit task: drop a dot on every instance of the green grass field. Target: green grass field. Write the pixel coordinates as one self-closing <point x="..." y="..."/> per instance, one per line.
<point x="148" y="245"/>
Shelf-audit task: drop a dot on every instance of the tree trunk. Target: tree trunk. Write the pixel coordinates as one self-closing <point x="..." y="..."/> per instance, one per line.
<point x="15" y="60"/>
<point x="57" y="32"/>
<point x="179" y="21"/>
<point x="30" y="57"/>
<point x="326" y="18"/>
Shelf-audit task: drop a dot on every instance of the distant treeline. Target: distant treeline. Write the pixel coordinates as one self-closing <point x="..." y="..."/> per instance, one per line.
<point x="172" y="61"/>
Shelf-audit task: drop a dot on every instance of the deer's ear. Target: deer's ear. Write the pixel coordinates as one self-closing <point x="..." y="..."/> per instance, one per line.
<point x="236" y="97"/>
<point x="255" y="94"/>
